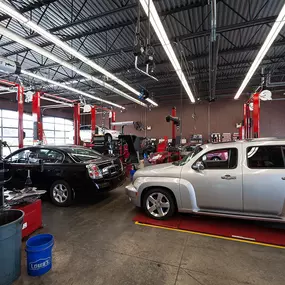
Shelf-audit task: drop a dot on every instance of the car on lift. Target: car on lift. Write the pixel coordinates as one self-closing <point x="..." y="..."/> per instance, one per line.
<point x="248" y="184"/>
<point x="85" y="133"/>
<point x="66" y="171"/>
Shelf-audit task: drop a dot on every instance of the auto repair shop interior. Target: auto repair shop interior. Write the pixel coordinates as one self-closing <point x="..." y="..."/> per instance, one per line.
<point x="142" y="142"/>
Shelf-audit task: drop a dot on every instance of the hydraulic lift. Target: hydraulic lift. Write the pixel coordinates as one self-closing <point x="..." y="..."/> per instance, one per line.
<point x="251" y="117"/>
<point x="166" y="153"/>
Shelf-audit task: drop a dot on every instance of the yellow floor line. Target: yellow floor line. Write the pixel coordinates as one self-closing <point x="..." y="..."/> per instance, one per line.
<point x="210" y="235"/>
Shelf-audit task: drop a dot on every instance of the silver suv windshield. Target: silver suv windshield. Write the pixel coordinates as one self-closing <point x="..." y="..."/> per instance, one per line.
<point x="188" y="157"/>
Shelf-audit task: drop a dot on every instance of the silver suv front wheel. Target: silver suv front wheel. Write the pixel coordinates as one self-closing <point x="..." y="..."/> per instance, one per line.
<point x="159" y="204"/>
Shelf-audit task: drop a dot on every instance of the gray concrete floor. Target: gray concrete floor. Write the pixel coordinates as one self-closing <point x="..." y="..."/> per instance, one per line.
<point x="96" y="242"/>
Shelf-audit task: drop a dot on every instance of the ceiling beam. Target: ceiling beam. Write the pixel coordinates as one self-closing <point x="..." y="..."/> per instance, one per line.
<point x="30" y="7"/>
<point x="107" y="28"/>
<point x="187" y="36"/>
<point x="188" y="58"/>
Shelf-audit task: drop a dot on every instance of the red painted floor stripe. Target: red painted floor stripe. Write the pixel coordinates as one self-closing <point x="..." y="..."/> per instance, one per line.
<point x="264" y="232"/>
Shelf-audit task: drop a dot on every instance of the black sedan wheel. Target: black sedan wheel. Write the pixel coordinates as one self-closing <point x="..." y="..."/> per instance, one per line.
<point x="159" y="204"/>
<point x="61" y="193"/>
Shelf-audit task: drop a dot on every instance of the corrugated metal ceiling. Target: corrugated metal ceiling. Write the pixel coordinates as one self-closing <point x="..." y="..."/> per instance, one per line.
<point x="113" y="33"/>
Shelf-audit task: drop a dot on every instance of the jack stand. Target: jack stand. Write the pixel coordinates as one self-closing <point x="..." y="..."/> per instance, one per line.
<point x="28" y="182"/>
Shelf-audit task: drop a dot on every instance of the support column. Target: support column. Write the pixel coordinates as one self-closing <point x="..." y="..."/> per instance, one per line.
<point x="76" y="119"/>
<point x="113" y="119"/>
<point x="256" y="115"/>
<point x="93" y="121"/>
<point x="245" y="121"/>
<point x="20" y="94"/>
<point x="37" y="119"/>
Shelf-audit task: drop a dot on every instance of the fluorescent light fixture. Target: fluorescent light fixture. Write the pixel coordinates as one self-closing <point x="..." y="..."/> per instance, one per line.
<point x="276" y="28"/>
<point x="69" y="88"/>
<point x="56" y="101"/>
<point x="9" y="10"/>
<point x="151" y="102"/>
<point x="15" y="37"/>
<point x="162" y="36"/>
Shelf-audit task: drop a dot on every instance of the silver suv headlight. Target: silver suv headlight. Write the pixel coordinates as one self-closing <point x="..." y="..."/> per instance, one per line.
<point x="137" y="183"/>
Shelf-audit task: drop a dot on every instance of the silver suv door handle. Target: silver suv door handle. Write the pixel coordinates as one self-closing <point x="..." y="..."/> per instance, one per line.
<point x="283" y="178"/>
<point x="228" y="177"/>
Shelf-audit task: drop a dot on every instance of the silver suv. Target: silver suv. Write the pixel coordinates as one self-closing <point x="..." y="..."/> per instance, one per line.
<point x="248" y="181"/>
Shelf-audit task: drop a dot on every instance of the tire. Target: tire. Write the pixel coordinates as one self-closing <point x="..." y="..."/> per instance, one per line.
<point x="159" y="195"/>
<point x="108" y="138"/>
<point x="215" y="158"/>
<point x="61" y="193"/>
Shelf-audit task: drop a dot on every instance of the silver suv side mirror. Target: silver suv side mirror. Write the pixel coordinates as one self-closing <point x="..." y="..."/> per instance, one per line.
<point x="198" y="166"/>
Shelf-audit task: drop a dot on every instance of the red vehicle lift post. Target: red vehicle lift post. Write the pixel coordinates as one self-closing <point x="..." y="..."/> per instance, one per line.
<point x="251" y="118"/>
<point x="256" y="115"/>
<point x="93" y="121"/>
<point x="76" y="120"/>
<point x="112" y="119"/>
<point x="37" y="118"/>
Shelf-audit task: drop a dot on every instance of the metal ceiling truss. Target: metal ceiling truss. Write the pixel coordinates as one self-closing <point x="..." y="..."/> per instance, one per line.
<point x="59" y="73"/>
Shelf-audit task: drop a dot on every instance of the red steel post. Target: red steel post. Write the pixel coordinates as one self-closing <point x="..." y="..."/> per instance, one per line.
<point x="93" y="120"/>
<point x="113" y="119"/>
<point x="256" y="115"/>
<point x="37" y="120"/>
<point x="76" y="119"/>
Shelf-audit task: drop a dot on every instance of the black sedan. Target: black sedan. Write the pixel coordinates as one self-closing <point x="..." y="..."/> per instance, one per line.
<point x="65" y="170"/>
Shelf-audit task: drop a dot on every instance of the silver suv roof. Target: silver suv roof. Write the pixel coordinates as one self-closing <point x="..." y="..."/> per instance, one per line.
<point x="257" y="141"/>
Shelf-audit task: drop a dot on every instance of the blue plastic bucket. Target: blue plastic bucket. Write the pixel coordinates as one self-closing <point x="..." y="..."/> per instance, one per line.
<point x="39" y="254"/>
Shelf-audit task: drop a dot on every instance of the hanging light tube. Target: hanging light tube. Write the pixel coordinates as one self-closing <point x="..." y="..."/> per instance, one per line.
<point x="276" y="28"/>
<point x="15" y="37"/>
<point x="156" y="23"/>
<point x="151" y="102"/>
<point x="69" y="88"/>
<point x="11" y="11"/>
<point x="56" y="101"/>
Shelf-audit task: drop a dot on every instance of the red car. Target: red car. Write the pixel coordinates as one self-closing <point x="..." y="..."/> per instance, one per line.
<point x="163" y="157"/>
<point x="216" y="156"/>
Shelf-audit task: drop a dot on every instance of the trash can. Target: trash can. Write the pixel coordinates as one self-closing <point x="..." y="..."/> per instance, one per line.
<point x="10" y="245"/>
<point x="39" y="254"/>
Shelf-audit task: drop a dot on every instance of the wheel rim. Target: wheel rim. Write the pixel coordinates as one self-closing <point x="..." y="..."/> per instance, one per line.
<point x="109" y="138"/>
<point x="60" y="193"/>
<point x="158" y="204"/>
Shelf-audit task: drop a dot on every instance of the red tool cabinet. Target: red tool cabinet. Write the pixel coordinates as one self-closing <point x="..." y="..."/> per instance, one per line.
<point x="32" y="218"/>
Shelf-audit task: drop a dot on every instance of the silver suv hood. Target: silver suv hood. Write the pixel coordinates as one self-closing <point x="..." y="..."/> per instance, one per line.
<point x="162" y="170"/>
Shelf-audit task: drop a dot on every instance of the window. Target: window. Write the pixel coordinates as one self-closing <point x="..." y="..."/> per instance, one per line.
<point x="265" y="156"/>
<point x="85" y="128"/>
<point x="20" y="156"/>
<point x="220" y="159"/>
<point x="188" y="157"/>
<point x="57" y="131"/>
<point x="50" y="156"/>
<point x="83" y="154"/>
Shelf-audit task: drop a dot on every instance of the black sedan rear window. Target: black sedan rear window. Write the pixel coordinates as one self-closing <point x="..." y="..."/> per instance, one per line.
<point x="82" y="154"/>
